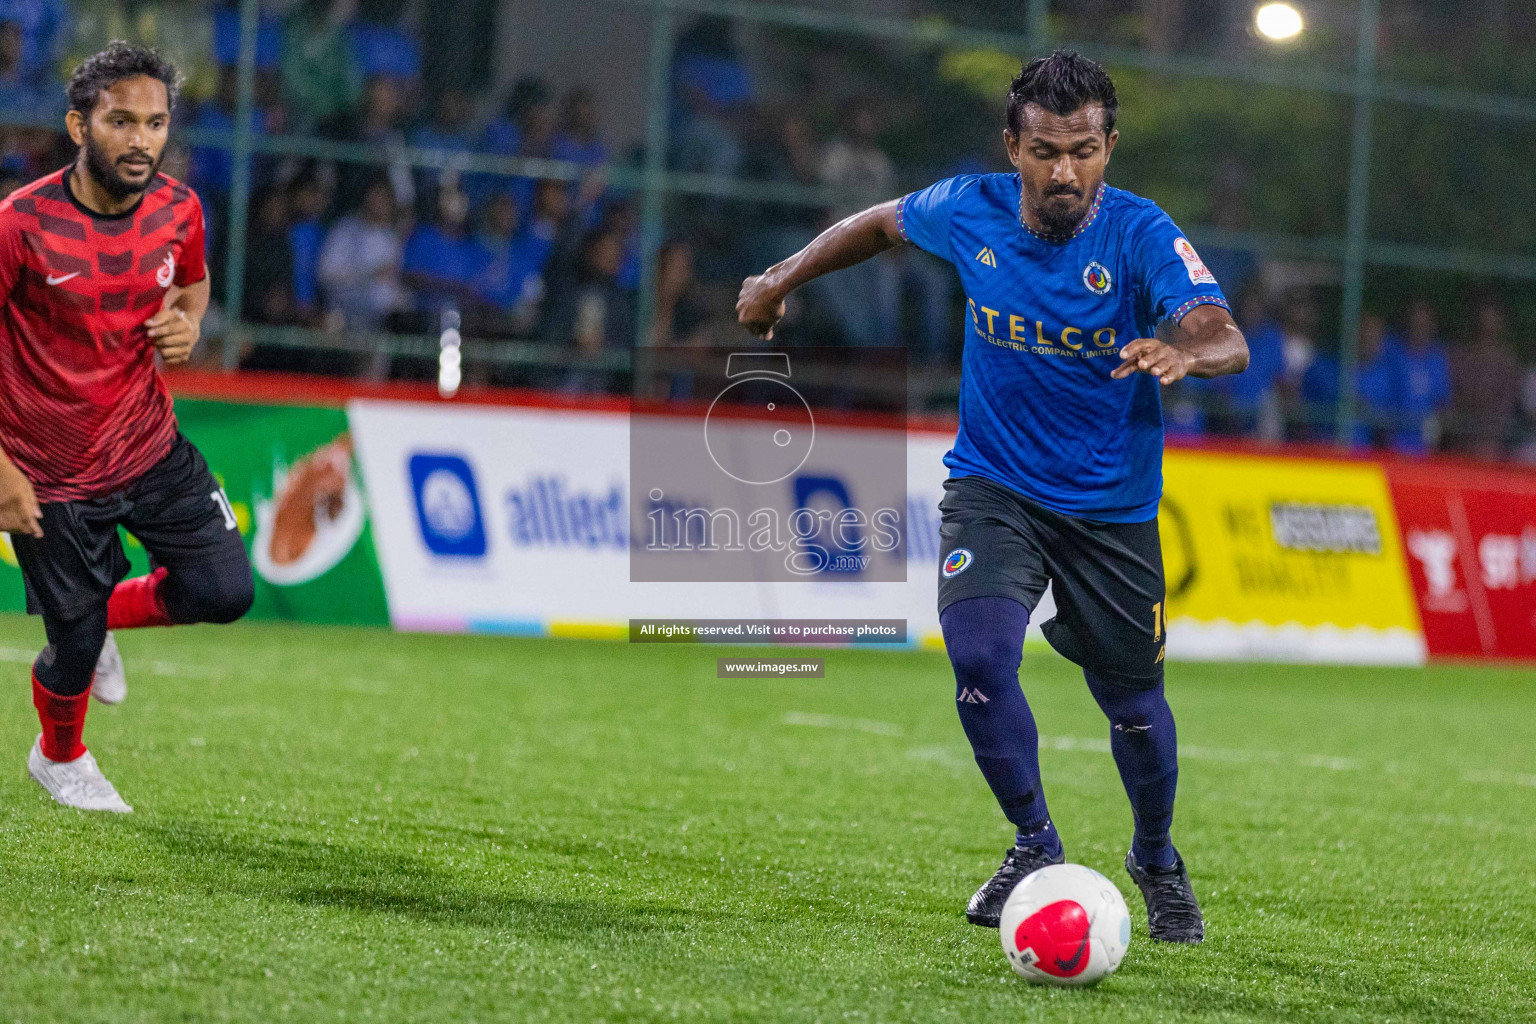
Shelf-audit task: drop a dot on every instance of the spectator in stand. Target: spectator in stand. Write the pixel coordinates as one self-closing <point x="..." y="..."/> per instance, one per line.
<point x="864" y="298"/>
<point x="304" y="239"/>
<point x="577" y="139"/>
<point x="680" y="313"/>
<point x="592" y="313"/>
<point x="212" y="167"/>
<point x="781" y="147"/>
<point x="501" y="286"/>
<point x="1426" y="382"/>
<point x="321" y="78"/>
<point x="1297" y="418"/>
<point x="527" y="129"/>
<point x="42" y="25"/>
<point x="386" y="50"/>
<point x="710" y="88"/>
<point x="1267" y="397"/>
<point x="442" y="264"/>
<point x="269" y="261"/>
<point x="1378" y="388"/>
<point x="449" y="130"/>
<point x="226" y="39"/>
<point x="23" y="95"/>
<point x="360" y="263"/>
<point x="1485" y="385"/>
<point x="379" y="126"/>
<point x="519" y="254"/>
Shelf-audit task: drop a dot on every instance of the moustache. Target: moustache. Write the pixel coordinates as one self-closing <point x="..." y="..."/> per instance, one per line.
<point x="1063" y="190"/>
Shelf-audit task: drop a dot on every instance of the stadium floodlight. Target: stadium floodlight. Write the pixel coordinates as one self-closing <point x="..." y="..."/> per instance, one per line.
<point x="1278" y="22"/>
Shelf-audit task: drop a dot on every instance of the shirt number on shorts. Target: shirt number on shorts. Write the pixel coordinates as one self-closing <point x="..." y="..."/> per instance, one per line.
<point x="1157" y="621"/>
<point x="222" y="500"/>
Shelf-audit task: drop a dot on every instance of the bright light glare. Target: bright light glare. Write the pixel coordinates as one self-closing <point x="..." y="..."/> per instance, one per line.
<point x="1279" y="22"/>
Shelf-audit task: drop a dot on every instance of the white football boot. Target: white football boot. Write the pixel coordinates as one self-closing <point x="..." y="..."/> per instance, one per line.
<point x="78" y="783"/>
<point x="110" y="684"/>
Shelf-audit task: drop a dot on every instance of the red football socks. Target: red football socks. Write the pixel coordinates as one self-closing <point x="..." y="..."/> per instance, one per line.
<point x="137" y="602"/>
<point x="63" y="720"/>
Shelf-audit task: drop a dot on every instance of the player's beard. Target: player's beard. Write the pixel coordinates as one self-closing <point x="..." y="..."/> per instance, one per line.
<point x="1062" y="211"/>
<point x="103" y="170"/>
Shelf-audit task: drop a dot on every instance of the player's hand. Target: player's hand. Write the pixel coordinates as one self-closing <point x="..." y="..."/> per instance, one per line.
<point x="1150" y="356"/>
<point x="759" y="306"/>
<point x="174" y="334"/>
<point x="19" y="510"/>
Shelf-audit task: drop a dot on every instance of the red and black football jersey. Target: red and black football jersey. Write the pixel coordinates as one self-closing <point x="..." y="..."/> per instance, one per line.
<point x="84" y="410"/>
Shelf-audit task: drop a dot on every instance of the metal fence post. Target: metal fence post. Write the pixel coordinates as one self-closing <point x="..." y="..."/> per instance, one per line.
<point x="1359" y="210"/>
<point x="240" y="182"/>
<point x="652" y="192"/>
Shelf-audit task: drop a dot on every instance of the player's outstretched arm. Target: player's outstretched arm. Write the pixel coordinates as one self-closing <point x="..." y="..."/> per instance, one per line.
<point x="851" y="240"/>
<point x="1207" y="343"/>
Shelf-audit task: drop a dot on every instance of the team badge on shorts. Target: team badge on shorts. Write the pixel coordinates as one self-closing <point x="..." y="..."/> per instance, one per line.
<point x="1097" y="278"/>
<point x="958" y="561"/>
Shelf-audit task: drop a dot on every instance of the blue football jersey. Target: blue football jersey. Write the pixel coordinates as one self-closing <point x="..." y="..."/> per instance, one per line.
<point x="1045" y="321"/>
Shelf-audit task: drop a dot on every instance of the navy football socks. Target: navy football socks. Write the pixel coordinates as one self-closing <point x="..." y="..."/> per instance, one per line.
<point x="1145" y="747"/>
<point x="985" y="640"/>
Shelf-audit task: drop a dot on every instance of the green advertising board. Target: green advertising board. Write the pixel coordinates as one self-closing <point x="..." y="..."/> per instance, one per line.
<point x="288" y="473"/>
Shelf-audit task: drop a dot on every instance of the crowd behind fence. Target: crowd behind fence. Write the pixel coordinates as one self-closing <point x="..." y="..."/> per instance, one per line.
<point x="349" y="265"/>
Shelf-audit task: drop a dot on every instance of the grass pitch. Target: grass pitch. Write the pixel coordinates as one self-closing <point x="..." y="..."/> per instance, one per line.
<point x="340" y="824"/>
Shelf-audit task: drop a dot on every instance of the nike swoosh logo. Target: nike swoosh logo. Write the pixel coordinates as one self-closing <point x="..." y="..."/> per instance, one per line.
<point x="62" y="277"/>
<point x="1070" y="966"/>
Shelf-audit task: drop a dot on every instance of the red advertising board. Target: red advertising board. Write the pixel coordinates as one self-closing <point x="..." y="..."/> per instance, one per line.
<point x="1470" y="537"/>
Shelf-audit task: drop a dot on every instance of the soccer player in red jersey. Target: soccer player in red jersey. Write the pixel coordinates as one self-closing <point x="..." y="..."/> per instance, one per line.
<point x="101" y="268"/>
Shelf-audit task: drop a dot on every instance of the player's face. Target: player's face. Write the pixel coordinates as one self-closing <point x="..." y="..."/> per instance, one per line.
<point x="124" y="137"/>
<point x="1061" y="161"/>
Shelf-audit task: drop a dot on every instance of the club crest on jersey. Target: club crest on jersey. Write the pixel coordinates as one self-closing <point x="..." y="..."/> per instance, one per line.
<point x="167" y="271"/>
<point x="1097" y="278"/>
<point x="987" y="256"/>
<point x="1198" y="272"/>
<point x="958" y="561"/>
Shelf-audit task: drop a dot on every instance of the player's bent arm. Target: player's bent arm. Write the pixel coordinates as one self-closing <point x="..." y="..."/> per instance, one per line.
<point x="1209" y="345"/>
<point x="1213" y="342"/>
<point x="851" y="240"/>
<point x="176" y="328"/>
<point x="19" y="510"/>
<point x="191" y="299"/>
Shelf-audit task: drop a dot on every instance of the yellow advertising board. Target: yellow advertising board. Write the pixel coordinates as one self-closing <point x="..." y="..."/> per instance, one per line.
<point x="1262" y="553"/>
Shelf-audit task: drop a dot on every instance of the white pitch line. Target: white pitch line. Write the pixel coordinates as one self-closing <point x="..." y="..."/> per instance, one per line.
<point x="956" y="758"/>
<point x="22" y="656"/>
<point x="834" y="722"/>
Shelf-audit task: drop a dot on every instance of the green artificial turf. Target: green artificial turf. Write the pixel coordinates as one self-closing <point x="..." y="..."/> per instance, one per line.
<point x="337" y="824"/>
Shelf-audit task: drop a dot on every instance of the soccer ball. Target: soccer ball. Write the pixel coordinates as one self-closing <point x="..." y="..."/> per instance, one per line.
<point x="1065" y="925"/>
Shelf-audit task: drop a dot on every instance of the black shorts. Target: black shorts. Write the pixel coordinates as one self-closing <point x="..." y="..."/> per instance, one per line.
<point x="176" y="509"/>
<point x="1107" y="578"/>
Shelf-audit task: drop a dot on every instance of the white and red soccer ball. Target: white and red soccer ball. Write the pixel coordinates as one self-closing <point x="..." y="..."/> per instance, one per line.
<point x="1065" y="925"/>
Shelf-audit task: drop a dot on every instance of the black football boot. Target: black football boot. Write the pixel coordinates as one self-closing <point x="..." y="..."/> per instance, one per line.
<point x="986" y="907"/>
<point x="1172" y="913"/>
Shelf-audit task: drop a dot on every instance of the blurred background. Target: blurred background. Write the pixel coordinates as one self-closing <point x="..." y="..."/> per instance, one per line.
<point x="566" y="182"/>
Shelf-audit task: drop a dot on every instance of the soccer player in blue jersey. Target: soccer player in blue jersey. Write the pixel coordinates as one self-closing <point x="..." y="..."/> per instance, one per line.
<point x="1056" y="471"/>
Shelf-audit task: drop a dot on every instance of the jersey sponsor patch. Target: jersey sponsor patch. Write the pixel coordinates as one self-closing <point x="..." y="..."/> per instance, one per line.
<point x="1096" y="278"/>
<point x="1198" y="272"/>
<point x="958" y="561"/>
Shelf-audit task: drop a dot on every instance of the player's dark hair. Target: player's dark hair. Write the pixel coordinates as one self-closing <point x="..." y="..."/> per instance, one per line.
<point x="1062" y="83"/>
<point x="118" y="61"/>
